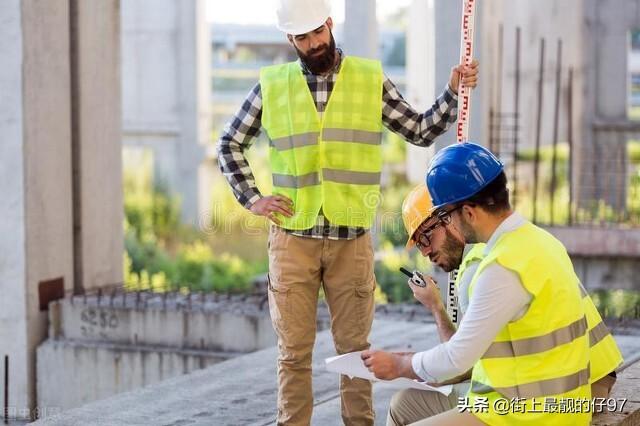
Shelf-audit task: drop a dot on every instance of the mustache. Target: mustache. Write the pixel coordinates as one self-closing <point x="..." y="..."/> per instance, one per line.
<point x="321" y="48"/>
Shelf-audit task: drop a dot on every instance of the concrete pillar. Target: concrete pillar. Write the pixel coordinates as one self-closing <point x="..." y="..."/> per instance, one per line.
<point x="420" y="76"/>
<point x="361" y="28"/>
<point x="60" y="155"/>
<point x="166" y="91"/>
<point x="98" y="211"/>
<point x="35" y="181"/>
<point x="601" y="153"/>
<point x="433" y="48"/>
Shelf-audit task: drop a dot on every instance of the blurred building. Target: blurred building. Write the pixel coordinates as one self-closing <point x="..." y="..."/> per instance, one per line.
<point x="239" y="51"/>
<point x="165" y="95"/>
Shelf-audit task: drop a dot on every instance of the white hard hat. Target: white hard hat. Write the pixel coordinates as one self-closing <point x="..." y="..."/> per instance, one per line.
<point x="301" y="16"/>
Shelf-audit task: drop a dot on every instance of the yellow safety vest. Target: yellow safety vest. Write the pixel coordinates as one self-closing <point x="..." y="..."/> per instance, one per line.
<point x="537" y="365"/>
<point x="605" y="354"/>
<point x="603" y="350"/>
<point x="331" y="162"/>
<point x="474" y="255"/>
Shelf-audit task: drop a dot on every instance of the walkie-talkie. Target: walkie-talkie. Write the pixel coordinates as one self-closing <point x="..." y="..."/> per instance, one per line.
<point x="416" y="277"/>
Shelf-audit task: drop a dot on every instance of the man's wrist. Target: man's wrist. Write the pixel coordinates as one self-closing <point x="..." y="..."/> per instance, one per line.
<point x="406" y="366"/>
<point x="452" y="92"/>
<point x="252" y="196"/>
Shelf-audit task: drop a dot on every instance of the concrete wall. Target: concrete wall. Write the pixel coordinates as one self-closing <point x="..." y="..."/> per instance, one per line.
<point x="166" y="91"/>
<point x="93" y="371"/>
<point x="100" y="346"/>
<point x="604" y="258"/>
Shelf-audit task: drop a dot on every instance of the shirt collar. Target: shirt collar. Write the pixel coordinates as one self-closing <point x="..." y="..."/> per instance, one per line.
<point x="511" y="223"/>
<point x="335" y="69"/>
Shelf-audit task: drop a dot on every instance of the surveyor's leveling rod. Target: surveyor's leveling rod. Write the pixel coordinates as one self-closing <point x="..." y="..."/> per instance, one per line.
<point x="464" y="108"/>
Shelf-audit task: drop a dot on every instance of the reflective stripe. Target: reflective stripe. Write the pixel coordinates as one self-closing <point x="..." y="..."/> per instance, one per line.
<point x="295" y="141"/>
<point x="349" y="135"/>
<point x="583" y="291"/>
<point x="598" y="333"/>
<point x="537" y="344"/>
<point x="348" y="176"/>
<point x="537" y="389"/>
<point x="290" y="181"/>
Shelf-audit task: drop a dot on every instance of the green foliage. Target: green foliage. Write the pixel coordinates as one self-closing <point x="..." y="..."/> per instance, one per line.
<point x="617" y="303"/>
<point x="162" y="254"/>
<point x="633" y="151"/>
<point x="392" y="282"/>
<point x="546" y="153"/>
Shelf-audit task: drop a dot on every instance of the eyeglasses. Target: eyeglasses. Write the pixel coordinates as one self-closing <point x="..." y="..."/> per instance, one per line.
<point x="422" y="238"/>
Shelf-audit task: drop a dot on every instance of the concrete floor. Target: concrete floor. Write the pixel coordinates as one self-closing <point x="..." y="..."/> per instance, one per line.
<point x="242" y="391"/>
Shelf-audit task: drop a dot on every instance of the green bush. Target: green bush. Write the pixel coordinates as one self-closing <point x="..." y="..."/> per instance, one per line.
<point x="161" y="254"/>
<point x="617" y="303"/>
<point x="392" y="282"/>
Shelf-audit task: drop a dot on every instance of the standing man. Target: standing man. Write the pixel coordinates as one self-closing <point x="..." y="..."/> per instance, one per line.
<point x="525" y="332"/>
<point x="436" y="237"/>
<point x="323" y="116"/>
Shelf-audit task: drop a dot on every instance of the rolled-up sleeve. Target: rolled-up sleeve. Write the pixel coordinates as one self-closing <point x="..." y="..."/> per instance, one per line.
<point x="486" y="316"/>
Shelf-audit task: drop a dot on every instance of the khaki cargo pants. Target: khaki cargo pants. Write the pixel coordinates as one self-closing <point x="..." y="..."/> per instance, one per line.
<point x="298" y="267"/>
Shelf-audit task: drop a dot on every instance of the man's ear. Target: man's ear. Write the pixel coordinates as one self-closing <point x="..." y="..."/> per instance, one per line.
<point x="470" y="213"/>
<point x="290" y="38"/>
<point x="329" y="23"/>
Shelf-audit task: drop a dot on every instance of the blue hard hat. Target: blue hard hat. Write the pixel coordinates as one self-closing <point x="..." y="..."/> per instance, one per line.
<point x="460" y="171"/>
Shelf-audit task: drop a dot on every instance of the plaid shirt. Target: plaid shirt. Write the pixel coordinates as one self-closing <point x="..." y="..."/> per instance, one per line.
<point x="398" y="116"/>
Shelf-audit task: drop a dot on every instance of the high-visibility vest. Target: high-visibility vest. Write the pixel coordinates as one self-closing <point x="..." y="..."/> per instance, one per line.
<point x="474" y="255"/>
<point x="541" y="360"/>
<point x="605" y="354"/>
<point x="331" y="162"/>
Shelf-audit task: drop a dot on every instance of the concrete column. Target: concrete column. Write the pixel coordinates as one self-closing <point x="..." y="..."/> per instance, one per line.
<point x="601" y="152"/>
<point x="61" y="222"/>
<point x="361" y="28"/>
<point x="433" y="43"/>
<point x="166" y="91"/>
<point x="35" y="181"/>
<point x="98" y="211"/>
<point x="420" y="76"/>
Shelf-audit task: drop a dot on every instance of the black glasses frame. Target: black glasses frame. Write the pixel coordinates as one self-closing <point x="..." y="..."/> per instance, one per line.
<point x="422" y="238"/>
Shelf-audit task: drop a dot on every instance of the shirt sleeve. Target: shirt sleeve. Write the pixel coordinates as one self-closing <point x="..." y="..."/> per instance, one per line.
<point x="236" y="138"/>
<point x="486" y="315"/>
<point x="417" y="128"/>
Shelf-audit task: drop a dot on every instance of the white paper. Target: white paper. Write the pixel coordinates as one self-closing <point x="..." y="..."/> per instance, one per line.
<point x="351" y="365"/>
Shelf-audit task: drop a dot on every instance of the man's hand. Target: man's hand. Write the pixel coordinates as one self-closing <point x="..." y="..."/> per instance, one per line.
<point x="389" y="365"/>
<point x="469" y="76"/>
<point x="271" y="204"/>
<point x="429" y="296"/>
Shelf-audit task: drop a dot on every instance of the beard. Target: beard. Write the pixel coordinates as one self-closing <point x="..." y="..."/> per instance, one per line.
<point x="319" y="63"/>
<point x="450" y="255"/>
<point x="467" y="231"/>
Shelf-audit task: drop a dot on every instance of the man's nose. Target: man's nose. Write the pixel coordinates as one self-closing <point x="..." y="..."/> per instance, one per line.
<point x="315" y="41"/>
